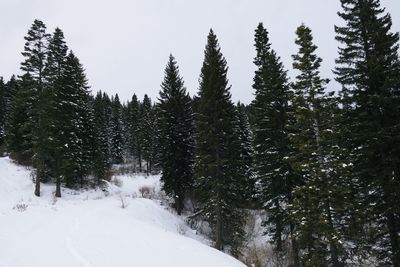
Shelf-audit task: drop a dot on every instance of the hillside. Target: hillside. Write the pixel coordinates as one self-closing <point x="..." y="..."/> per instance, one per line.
<point x="90" y="228"/>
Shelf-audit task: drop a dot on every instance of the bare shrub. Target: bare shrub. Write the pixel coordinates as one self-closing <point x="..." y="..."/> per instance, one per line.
<point x="21" y="207"/>
<point x="182" y="230"/>
<point x="117" y="182"/>
<point x="53" y="199"/>
<point x="147" y="192"/>
<point x="124" y="202"/>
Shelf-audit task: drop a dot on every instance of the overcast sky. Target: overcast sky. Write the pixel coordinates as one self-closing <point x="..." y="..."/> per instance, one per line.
<point x="124" y="45"/>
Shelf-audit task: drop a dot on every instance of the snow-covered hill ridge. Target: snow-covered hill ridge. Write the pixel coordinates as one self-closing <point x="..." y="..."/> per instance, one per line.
<point x="90" y="229"/>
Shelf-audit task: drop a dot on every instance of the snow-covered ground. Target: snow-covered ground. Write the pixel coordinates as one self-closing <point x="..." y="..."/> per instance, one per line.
<point x="89" y="228"/>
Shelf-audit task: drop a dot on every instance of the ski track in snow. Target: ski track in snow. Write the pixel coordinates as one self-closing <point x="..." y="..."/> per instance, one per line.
<point x="83" y="262"/>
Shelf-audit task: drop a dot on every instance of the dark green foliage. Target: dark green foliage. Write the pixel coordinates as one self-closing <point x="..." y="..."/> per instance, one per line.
<point x="133" y="136"/>
<point x="368" y="68"/>
<point x="2" y="112"/>
<point x="116" y="131"/>
<point x="217" y="172"/>
<point x="10" y="92"/>
<point x="148" y="133"/>
<point x="176" y="135"/>
<point x="101" y="163"/>
<point x="314" y="159"/>
<point x="271" y="138"/>
<point x="72" y="122"/>
<point x="246" y="154"/>
<point x="22" y="121"/>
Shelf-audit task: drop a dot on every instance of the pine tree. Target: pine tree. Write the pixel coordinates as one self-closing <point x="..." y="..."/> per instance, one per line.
<point x="2" y="111"/>
<point x="217" y="174"/>
<point x="271" y="142"/>
<point x="71" y="118"/>
<point x="101" y="152"/>
<point x="176" y="128"/>
<point x="51" y="106"/>
<point x="116" y="131"/>
<point x="147" y="132"/>
<point x="10" y="93"/>
<point x="368" y="68"/>
<point x="314" y="159"/>
<point x="246" y="154"/>
<point x="35" y="56"/>
<point x="132" y="129"/>
<point x="21" y="123"/>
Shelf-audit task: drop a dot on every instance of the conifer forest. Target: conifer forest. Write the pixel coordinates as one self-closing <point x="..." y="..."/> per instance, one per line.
<point x="318" y="168"/>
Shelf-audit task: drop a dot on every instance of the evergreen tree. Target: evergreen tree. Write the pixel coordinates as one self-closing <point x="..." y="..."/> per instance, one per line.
<point x="311" y="136"/>
<point x="2" y="111"/>
<point x="176" y="128"/>
<point x="101" y="164"/>
<point x="147" y="132"/>
<point x="71" y="118"/>
<point x="35" y="56"/>
<point x="275" y="176"/>
<point x="116" y="131"/>
<point x="368" y="68"/>
<point x="133" y="135"/>
<point x="217" y="171"/>
<point x="10" y="93"/>
<point x="22" y="121"/>
<point x="246" y="153"/>
<point x="51" y="106"/>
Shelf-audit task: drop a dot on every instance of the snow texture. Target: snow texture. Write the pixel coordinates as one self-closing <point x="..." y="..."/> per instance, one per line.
<point x="90" y="229"/>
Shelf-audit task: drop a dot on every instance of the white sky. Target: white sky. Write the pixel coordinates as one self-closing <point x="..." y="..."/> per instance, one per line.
<point x="124" y="45"/>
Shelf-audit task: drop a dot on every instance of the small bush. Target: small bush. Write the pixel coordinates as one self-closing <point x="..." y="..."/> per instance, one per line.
<point x="124" y="202"/>
<point x="117" y="182"/>
<point x="182" y="230"/>
<point x="147" y="192"/>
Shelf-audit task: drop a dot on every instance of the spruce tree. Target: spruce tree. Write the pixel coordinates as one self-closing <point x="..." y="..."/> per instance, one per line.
<point x="51" y="106"/>
<point x="176" y="128"/>
<point x="147" y="132"/>
<point x="2" y="112"/>
<point x="314" y="159"/>
<point x="271" y="143"/>
<point x="10" y="93"/>
<point x="132" y="130"/>
<point x="217" y="173"/>
<point x="69" y="117"/>
<point x="368" y="68"/>
<point x="35" y="56"/>
<point x="101" y="164"/>
<point x="22" y="122"/>
<point x="116" y="131"/>
<point x="246" y="154"/>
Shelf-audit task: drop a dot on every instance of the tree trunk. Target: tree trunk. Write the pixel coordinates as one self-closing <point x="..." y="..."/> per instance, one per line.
<point x="178" y="204"/>
<point x="295" y="248"/>
<point x="37" y="186"/>
<point x="140" y="161"/>
<point x="278" y="233"/>
<point x="218" y="231"/>
<point x="58" y="187"/>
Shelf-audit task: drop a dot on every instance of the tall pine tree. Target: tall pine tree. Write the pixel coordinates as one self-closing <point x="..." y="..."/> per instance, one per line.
<point x="217" y="171"/>
<point x="368" y="67"/>
<point x="176" y="128"/>
<point x="311" y="137"/>
<point x="271" y="141"/>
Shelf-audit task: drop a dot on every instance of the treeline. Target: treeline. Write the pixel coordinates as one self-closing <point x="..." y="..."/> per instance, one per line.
<point x="50" y="120"/>
<point x="324" y="166"/>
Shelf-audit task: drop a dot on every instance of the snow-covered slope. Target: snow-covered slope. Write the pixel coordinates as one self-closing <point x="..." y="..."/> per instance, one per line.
<point x="91" y="229"/>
